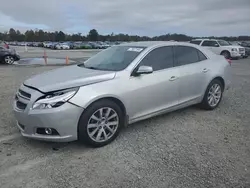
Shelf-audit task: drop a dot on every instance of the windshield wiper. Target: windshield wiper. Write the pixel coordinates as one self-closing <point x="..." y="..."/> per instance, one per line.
<point x="94" y="68"/>
<point x="88" y="67"/>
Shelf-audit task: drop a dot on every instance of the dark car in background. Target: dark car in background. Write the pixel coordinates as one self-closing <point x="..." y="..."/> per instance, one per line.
<point x="8" y="56"/>
<point x="246" y="45"/>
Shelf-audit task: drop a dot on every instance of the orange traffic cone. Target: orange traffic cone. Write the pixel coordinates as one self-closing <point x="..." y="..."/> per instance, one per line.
<point x="45" y="57"/>
<point x="67" y="60"/>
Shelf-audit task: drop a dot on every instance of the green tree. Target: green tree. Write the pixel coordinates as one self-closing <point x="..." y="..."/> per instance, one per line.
<point x="93" y="35"/>
<point x="29" y="36"/>
<point x="12" y="34"/>
<point x="59" y="36"/>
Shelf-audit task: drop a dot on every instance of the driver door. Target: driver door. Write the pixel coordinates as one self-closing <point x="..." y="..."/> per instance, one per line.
<point x="157" y="91"/>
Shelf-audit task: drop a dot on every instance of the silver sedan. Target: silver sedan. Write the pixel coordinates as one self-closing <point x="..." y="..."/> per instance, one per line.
<point x="123" y="84"/>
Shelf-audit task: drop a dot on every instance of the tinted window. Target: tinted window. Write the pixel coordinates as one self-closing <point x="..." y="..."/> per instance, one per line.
<point x="195" y="41"/>
<point x="202" y="57"/>
<point x="160" y="58"/>
<point x="209" y="43"/>
<point x="186" y="55"/>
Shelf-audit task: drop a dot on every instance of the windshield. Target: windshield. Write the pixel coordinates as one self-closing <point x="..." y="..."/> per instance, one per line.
<point x="115" y="58"/>
<point x="223" y="43"/>
<point x="234" y="43"/>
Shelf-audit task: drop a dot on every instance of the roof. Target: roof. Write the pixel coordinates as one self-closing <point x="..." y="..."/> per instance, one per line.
<point x="148" y="43"/>
<point x="205" y="39"/>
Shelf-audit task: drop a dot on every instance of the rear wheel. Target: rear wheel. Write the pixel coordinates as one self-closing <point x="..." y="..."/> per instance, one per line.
<point x="213" y="95"/>
<point x="9" y="60"/>
<point x="100" y="124"/>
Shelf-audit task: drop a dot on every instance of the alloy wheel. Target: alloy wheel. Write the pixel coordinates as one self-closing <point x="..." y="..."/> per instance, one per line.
<point x="102" y="124"/>
<point x="214" y="95"/>
<point x="9" y="60"/>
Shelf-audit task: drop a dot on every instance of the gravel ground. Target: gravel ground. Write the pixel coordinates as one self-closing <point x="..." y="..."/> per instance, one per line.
<point x="187" y="148"/>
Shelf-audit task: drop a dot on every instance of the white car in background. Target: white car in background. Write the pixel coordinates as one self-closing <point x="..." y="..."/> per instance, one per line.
<point x="221" y="47"/>
<point x="62" y="46"/>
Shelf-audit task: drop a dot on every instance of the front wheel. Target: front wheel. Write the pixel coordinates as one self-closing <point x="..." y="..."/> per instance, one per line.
<point x="100" y="124"/>
<point x="9" y="60"/>
<point x="213" y="95"/>
<point x="226" y="54"/>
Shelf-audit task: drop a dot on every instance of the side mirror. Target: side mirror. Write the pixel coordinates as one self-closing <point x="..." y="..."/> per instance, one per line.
<point x="144" y="70"/>
<point x="216" y="45"/>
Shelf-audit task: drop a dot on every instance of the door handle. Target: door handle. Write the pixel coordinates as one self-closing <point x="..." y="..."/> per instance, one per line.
<point x="205" y="70"/>
<point x="173" y="78"/>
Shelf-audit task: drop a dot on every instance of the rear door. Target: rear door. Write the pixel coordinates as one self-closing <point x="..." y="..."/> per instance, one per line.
<point x="193" y="69"/>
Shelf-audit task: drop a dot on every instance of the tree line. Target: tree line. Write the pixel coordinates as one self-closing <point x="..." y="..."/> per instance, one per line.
<point x="93" y="35"/>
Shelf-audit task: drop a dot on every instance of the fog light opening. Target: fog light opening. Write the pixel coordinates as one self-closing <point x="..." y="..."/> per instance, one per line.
<point x="48" y="131"/>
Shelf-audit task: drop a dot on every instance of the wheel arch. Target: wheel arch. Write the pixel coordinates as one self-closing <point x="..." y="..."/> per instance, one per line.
<point x="217" y="78"/>
<point x="225" y="51"/>
<point x="221" y="80"/>
<point x="115" y="99"/>
<point x="214" y="78"/>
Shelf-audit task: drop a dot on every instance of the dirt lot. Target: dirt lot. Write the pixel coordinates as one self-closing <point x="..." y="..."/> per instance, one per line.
<point x="187" y="148"/>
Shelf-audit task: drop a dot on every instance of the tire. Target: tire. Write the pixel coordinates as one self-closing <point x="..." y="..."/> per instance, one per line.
<point x="8" y="59"/>
<point x="226" y="54"/>
<point x="88" y="125"/>
<point x="206" y="104"/>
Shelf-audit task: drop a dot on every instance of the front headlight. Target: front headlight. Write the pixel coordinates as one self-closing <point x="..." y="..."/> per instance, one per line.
<point x="234" y="49"/>
<point x="54" y="100"/>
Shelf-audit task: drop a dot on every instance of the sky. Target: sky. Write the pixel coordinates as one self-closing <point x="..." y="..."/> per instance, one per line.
<point x="140" y="17"/>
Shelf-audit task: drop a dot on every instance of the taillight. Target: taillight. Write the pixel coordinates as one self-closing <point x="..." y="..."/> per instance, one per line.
<point x="229" y="61"/>
<point x="6" y="46"/>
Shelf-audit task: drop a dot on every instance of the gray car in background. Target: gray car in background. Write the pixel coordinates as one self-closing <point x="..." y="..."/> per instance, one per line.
<point x="121" y="85"/>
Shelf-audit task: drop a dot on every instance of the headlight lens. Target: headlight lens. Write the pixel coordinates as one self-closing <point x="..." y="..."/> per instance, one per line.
<point x="234" y="49"/>
<point x="54" y="100"/>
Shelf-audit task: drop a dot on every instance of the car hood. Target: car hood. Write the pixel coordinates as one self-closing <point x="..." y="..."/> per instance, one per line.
<point x="234" y="46"/>
<point x="68" y="77"/>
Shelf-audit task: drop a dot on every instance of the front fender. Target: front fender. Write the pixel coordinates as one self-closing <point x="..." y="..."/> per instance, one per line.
<point x="86" y="95"/>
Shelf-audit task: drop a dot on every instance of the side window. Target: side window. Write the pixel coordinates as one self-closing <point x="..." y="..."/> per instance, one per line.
<point x="202" y="57"/>
<point x="209" y="43"/>
<point x="159" y="58"/>
<point x="186" y="55"/>
<point x="195" y="42"/>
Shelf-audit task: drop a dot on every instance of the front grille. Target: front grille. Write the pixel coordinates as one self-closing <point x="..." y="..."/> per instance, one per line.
<point x="22" y="99"/>
<point x="241" y="49"/>
<point x="20" y="105"/>
<point x="24" y="94"/>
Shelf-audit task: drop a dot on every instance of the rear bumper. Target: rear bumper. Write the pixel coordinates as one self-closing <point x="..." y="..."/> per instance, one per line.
<point x="17" y="57"/>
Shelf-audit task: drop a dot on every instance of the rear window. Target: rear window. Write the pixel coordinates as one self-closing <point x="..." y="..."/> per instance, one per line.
<point x="195" y="42"/>
<point x="202" y="57"/>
